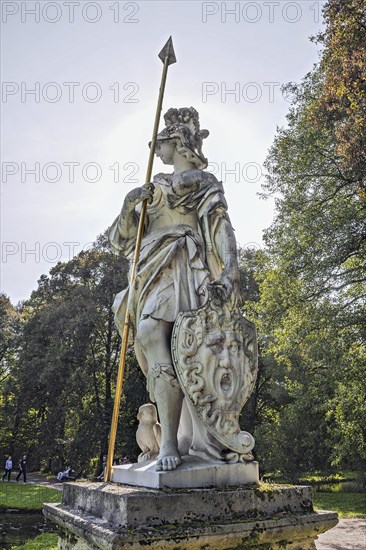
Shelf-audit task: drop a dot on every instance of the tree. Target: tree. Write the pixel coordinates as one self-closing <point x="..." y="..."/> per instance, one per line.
<point x="340" y="106"/>
<point x="61" y="389"/>
<point x="10" y="334"/>
<point x="312" y="284"/>
<point x="9" y="328"/>
<point x="260" y="415"/>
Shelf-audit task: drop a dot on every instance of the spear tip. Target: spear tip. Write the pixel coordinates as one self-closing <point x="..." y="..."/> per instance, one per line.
<point x="168" y="52"/>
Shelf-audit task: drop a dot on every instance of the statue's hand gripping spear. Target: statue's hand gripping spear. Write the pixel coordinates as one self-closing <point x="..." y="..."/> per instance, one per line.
<point x="167" y="56"/>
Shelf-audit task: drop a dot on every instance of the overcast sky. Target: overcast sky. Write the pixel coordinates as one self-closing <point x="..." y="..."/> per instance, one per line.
<point x="79" y="89"/>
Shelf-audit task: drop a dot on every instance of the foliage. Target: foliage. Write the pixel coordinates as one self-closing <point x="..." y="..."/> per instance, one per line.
<point x="340" y="106"/>
<point x="58" y="400"/>
<point x="311" y="277"/>
<point x="45" y="541"/>
<point x="27" y="496"/>
<point x="9" y="326"/>
<point x="317" y="477"/>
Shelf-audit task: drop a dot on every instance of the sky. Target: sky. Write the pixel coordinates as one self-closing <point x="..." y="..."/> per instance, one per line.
<point x="80" y="82"/>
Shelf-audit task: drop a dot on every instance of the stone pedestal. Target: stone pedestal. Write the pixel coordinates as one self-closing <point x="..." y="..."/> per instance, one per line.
<point x="193" y="472"/>
<point x="111" y="516"/>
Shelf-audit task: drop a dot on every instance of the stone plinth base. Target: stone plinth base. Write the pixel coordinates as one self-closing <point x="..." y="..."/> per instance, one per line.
<point x="110" y="517"/>
<point x="193" y="472"/>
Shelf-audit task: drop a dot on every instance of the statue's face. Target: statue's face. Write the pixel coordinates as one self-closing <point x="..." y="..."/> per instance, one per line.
<point x="165" y="151"/>
<point x="222" y="354"/>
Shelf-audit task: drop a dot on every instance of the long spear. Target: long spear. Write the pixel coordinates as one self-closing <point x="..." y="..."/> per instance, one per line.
<point x="167" y="56"/>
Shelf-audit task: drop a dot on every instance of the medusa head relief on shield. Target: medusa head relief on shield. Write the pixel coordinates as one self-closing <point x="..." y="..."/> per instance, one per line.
<point x="214" y="352"/>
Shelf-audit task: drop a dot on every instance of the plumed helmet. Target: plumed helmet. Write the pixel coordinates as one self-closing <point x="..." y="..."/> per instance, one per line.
<point x="184" y="124"/>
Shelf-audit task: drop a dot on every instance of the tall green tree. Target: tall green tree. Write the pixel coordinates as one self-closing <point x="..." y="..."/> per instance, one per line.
<point x="340" y="105"/>
<point x="312" y="284"/>
<point x="9" y="329"/>
<point x="62" y="386"/>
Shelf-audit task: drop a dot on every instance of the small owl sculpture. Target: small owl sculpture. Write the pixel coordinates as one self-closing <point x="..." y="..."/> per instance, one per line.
<point x="148" y="433"/>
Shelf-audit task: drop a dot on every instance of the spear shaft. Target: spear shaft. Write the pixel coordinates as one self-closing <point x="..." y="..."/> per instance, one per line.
<point x="168" y="57"/>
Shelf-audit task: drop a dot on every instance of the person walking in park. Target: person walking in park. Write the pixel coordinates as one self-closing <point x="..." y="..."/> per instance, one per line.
<point x="8" y="468"/>
<point x="23" y="468"/>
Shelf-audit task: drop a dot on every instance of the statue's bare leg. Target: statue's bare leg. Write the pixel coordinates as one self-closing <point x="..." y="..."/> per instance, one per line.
<point x="169" y="402"/>
<point x="153" y="337"/>
<point x="185" y="430"/>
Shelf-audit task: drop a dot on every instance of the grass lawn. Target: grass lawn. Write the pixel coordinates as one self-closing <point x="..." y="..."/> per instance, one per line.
<point x="312" y="478"/>
<point x="45" y="541"/>
<point x="348" y="505"/>
<point x="321" y="477"/>
<point x="26" y="496"/>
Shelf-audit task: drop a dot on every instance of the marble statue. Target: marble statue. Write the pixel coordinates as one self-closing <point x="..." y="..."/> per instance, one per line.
<point x="197" y="351"/>
<point x="148" y="435"/>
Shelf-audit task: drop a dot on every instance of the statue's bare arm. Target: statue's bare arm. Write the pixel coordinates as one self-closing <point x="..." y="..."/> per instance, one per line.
<point x="226" y="246"/>
<point x="129" y="218"/>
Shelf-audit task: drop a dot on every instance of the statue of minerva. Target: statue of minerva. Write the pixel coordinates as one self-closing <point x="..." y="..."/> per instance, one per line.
<point x="197" y="351"/>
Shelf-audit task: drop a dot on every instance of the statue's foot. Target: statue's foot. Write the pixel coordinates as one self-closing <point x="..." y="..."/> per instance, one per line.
<point x="145" y="457"/>
<point x="168" y="459"/>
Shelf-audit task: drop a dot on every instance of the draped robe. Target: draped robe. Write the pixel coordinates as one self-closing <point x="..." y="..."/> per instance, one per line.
<point x="177" y="257"/>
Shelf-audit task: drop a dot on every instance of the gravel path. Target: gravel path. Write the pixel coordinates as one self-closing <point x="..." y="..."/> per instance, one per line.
<point x="40" y="480"/>
<point x="349" y="534"/>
